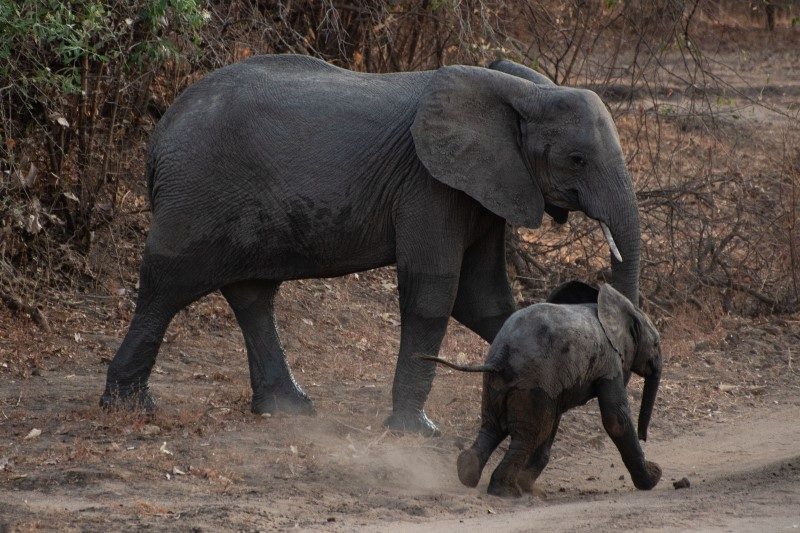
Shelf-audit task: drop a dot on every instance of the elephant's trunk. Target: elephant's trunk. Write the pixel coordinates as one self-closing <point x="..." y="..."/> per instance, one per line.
<point x="623" y="224"/>
<point x="649" y="393"/>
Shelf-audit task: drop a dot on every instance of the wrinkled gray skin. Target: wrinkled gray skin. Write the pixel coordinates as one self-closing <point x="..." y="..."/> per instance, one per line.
<point x="285" y="167"/>
<point x="551" y="357"/>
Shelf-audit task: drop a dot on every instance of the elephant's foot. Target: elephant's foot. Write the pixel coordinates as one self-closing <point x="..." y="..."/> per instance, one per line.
<point x="526" y="480"/>
<point x="128" y="397"/>
<point x="534" y="490"/>
<point x="412" y="422"/>
<point x="504" y="489"/>
<point x="294" y="401"/>
<point x="652" y="479"/>
<point x="527" y="483"/>
<point x="469" y="468"/>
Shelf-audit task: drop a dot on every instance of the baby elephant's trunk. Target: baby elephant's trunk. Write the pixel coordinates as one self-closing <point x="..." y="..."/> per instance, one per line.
<point x="649" y="393"/>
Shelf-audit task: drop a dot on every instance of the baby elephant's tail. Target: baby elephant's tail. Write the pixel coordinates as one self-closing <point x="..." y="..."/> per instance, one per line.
<point x="462" y="368"/>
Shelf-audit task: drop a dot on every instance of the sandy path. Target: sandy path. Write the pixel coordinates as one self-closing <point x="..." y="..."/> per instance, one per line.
<point x="745" y="477"/>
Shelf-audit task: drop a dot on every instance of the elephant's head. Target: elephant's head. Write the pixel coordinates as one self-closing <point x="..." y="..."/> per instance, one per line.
<point x="521" y="148"/>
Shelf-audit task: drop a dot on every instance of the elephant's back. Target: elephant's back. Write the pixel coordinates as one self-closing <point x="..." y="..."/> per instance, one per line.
<point x="277" y="95"/>
<point x="282" y="122"/>
<point x="550" y="345"/>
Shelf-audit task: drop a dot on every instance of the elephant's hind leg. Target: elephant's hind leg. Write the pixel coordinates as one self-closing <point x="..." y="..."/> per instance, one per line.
<point x="161" y="296"/>
<point x="472" y="460"/>
<point x="494" y="428"/>
<point x="274" y="386"/>
<point x="538" y="461"/>
<point x="531" y="417"/>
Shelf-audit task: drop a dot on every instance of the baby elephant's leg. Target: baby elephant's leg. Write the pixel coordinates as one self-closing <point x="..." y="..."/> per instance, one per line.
<point x="538" y="461"/>
<point x="494" y="428"/>
<point x="619" y="426"/>
<point x="472" y="460"/>
<point x="531" y="417"/>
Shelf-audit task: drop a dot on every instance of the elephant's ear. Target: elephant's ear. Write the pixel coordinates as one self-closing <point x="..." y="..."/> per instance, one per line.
<point x="618" y="317"/>
<point x="559" y="214"/>
<point x="573" y="292"/>
<point x="466" y="133"/>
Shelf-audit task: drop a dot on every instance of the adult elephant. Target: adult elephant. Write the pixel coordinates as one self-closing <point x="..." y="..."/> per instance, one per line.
<point x="285" y="167"/>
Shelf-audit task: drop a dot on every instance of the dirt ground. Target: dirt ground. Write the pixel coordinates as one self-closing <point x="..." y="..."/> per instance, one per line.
<point x="726" y="419"/>
<point x="203" y="461"/>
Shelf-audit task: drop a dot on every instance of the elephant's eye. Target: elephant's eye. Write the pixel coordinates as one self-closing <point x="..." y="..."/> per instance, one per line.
<point x="577" y="160"/>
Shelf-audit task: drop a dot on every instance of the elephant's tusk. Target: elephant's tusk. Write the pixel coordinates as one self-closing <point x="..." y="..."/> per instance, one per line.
<point x="611" y="243"/>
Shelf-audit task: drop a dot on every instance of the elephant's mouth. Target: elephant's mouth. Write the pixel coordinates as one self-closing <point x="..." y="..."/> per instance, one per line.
<point x="559" y="214"/>
<point x="567" y="199"/>
<point x="558" y="204"/>
<point x="561" y="203"/>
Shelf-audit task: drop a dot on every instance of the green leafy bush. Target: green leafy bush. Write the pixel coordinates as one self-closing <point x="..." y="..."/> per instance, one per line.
<point x="74" y="83"/>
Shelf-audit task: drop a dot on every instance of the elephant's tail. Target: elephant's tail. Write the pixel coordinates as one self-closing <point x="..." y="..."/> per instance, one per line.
<point x="462" y="368"/>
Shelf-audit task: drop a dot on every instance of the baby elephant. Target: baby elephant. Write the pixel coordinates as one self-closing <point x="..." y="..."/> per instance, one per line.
<point x="548" y="358"/>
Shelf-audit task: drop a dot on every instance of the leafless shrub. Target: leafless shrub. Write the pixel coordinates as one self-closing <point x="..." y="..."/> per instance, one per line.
<point x="718" y="211"/>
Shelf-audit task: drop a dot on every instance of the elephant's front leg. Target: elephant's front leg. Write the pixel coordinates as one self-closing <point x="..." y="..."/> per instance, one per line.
<point x="484" y="300"/>
<point x="426" y="301"/>
<point x="618" y="424"/>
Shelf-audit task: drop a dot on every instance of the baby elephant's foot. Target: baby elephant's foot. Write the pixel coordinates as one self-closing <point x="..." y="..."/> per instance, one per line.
<point x="527" y="483"/>
<point x="412" y="422"/>
<point x="504" y="489"/>
<point x="294" y="402"/>
<point x="469" y="468"/>
<point x="652" y="479"/>
<point x="128" y="397"/>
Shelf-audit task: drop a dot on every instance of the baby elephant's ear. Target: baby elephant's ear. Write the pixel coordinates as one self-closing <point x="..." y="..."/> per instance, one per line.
<point x="619" y="319"/>
<point x="573" y="292"/>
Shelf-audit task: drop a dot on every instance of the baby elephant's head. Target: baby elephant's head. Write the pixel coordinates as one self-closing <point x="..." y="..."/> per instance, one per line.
<point x="646" y="363"/>
<point x="631" y="333"/>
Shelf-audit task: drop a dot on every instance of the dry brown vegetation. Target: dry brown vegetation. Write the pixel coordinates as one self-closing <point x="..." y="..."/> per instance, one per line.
<point x="706" y="102"/>
<point x="711" y="142"/>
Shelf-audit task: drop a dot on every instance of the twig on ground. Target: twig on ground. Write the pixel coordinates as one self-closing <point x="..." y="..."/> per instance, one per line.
<point x="15" y="303"/>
